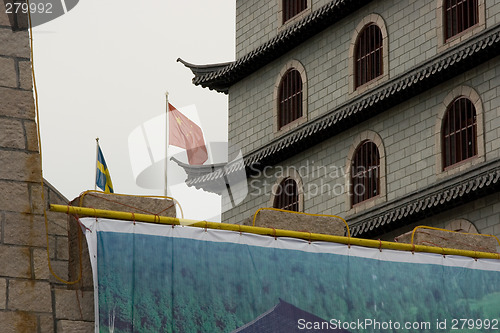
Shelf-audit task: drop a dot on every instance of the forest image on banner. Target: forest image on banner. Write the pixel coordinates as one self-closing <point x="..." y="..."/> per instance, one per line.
<point x="156" y="278"/>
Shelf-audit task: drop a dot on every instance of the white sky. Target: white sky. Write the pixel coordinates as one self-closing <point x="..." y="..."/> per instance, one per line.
<point x="102" y="70"/>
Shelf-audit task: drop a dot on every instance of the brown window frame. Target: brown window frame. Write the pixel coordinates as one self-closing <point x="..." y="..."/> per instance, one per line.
<point x="459" y="16"/>
<point x="365" y="171"/>
<point x="368" y="53"/>
<point x="459" y="132"/>
<point x="284" y="198"/>
<point x="290" y="98"/>
<point x="292" y="8"/>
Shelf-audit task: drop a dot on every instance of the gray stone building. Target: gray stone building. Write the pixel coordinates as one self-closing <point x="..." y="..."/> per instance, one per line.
<point x="383" y="112"/>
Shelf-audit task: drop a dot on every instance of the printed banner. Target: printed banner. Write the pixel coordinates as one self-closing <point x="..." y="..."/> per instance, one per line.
<point x="158" y="278"/>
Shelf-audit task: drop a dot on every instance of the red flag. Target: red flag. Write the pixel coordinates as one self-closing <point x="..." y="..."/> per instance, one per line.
<point x="184" y="133"/>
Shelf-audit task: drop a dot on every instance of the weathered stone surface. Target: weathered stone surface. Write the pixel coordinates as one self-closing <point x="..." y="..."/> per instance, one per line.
<point x="17" y="103"/>
<point x="74" y="304"/>
<point x="25" y="75"/>
<point x="11" y="133"/>
<point x="14" y="197"/>
<point x="75" y="255"/>
<point x="3" y="294"/>
<point x="58" y="223"/>
<point x="125" y="203"/>
<point x="40" y="264"/>
<point x="31" y="135"/>
<point x="8" y="75"/>
<point x="298" y="222"/>
<point x="15" y="43"/>
<point x="18" y="322"/>
<point x="41" y="267"/>
<point x="20" y="166"/>
<point x="62" y="250"/>
<point x="15" y="261"/>
<point x="452" y="240"/>
<point x="24" y="229"/>
<point x="69" y="326"/>
<point x="4" y="18"/>
<point x="29" y="295"/>
<point x="46" y="323"/>
<point x="60" y="268"/>
<point x="37" y="204"/>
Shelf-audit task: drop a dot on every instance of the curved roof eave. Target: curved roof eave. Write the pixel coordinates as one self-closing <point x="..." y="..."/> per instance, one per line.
<point x="221" y="76"/>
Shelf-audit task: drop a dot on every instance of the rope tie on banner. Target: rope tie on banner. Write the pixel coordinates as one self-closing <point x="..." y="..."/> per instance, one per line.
<point x="133" y="217"/>
<point x="413" y="248"/>
<point x="206" y="226"/>
<point x="380" y="246"/>
<point x="274" y="234"/>
<point x="267" y="231"/>
<point x="310" y="236"/>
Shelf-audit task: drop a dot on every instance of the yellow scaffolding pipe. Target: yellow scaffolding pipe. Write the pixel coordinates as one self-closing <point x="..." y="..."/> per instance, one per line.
<point x="269" y="231"/>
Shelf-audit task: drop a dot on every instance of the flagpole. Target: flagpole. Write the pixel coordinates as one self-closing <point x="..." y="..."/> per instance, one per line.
<point x="96" y="157"/>
<point x="166" y="142"/>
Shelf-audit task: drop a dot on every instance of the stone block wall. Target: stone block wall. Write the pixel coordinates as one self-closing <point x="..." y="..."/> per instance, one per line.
<point x="31" y="298"/>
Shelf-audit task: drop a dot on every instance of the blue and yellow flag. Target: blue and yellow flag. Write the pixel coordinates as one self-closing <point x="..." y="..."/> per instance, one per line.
<point x="103" y="179"/>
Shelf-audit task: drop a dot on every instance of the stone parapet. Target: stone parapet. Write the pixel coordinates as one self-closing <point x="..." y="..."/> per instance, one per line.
<point x="450" y="239"/>
<point x="78" y="249"/>
<point x="295" y="221"/>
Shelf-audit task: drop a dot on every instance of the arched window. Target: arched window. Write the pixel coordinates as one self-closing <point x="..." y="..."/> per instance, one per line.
<point x="459" y="15"/>
<point x="365" y="172"/>
<point x="287" y="195"/>
<point x="368" y="55"/>
<point x="459" y="132"/>
<point x="290" y="98"/>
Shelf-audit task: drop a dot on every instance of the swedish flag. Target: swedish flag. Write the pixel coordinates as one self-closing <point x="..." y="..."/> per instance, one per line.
<point x="103" y="179"/>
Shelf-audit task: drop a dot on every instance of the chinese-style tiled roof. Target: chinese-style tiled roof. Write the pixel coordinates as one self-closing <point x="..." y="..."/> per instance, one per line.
<point x="478" y="183"/>
<point x="220" y="77"/>
<point x="389" y="94"/>
<point x="283" y="318"/>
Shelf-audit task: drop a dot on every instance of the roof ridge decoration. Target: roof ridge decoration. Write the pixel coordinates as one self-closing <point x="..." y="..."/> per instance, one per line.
<point x="220" y="77"/>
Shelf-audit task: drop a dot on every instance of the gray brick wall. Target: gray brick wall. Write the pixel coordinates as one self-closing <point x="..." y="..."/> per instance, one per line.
<point x="257" y="22"/>
<point x="407" y="131"/>
<point x="408" y="135"/>
<point x="413" y="38"/>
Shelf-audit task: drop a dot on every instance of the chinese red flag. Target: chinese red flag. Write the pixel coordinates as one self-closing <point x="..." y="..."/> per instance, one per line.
<point x="184" y="133"/>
